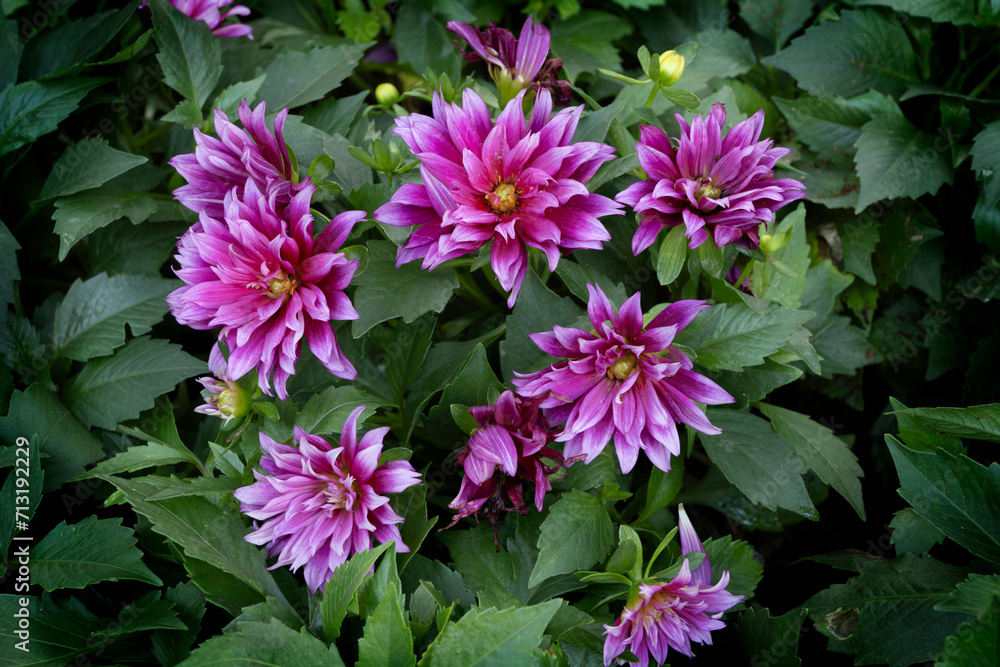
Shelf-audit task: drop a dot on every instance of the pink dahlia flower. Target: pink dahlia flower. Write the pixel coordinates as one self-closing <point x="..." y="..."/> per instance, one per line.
<point x="219" y="165"/>
<point x="263" y="279"/>
<point x="516" y="184"/>
<point x="709" y="183"/>
<point x="672" y="615"/>
<point x="515" y="64"/>
<point x="223" y="397"/>
<point x="210" y="11"/>
<point x="508" y="449"/>
<point x="321" y="504"/>
<point x="624" y="381"/>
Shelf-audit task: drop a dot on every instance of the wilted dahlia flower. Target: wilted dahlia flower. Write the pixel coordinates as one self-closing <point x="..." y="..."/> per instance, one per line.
<point x="219" y="165"/>
<point x="512" y="183"/>
<point x="624" y="380"/>
<point x="210" y="12"/>
<point x="263" y="279"/>
<point x="321" y="504"/>
<point x="223" y="397"/>
<point x="508" y="449"/>
<point x="709" y="183"/>
<point x="659" y="617"/>
<point x="515" y="64"/>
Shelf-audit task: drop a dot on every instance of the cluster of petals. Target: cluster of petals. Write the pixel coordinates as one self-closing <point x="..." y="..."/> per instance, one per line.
<point x="624" y="380"/>
<point x="672" y="615"/>
<point x="260" y="276"/>
<point x="320" y="504"/>
<point x="211" y="12"/>
<point x="710" y="183"/>
<point x="519" y="62"/>
<point x="219" y="165"/>
<point x="223" y="397"/>
<point x="509" y="448"/>
<point x="514" y="183"/>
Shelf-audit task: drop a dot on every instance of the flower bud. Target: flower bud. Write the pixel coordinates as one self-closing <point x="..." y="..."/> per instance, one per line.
<point x="386" y="94"/>
<point x="671" y="67"/>
<point x="771" y="243"/>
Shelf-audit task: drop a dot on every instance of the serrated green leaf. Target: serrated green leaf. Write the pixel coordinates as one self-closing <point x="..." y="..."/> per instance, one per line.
<point x="662" y="488"/>
<point x="859" y="237"/>
<point x="172" y="646"/>
<point x="33" y="108"/>
<point x="87" y="552"/>
<point x="113" y="389"/>
<point x="295" y="78"/>
<point x="893" y="603"/>
<point x="843" y="347"/>
<point x="271" y="643"/>
<point x="768" y="640"/>
<point x="954" y="493"/>
<point x="80" y="214"/>
<point x="738" y="559"/>
<point x="895" y="159"/>
<point x="913" y="533"/>
<point x="188" y="53"/>
<point x="387" y="639"/>
<point x="90" y="321"/>
<point x="575" y="535"/>
<point x="384" y="292"/>
<point x="343" y="586"/>
<point x="492" y="637"/>
<point x="118" y="249"/>
<point x="66" y="47"/>
<point x="9" y="271"/>
<point x="986" y="163"/>
<point x="744" y="337"/>
<point x="406" y="354"/>
<point x="917" y="434"/>
<point x="326" y="413"/>
<point x="958" y="12"/>
<point x="848" y="56"/>
<point x="87" y="164"/>
<point x="821" y="451"/>
<point x="767" y="281"/>
<point x="472" y="386"/>
<point x="755" y="382"/>
<point x="761" y="463"/>
<point x="776" y="20"/>
<point x="980" y="422"/>
<point x="832" y="125"/>
<point x="228" y="101"/>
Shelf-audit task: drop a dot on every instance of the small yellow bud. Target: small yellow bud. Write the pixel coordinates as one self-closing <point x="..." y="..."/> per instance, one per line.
<point x="386" y="94"/>
<point x="771" y="243"/>
<point x="671" y="67"/>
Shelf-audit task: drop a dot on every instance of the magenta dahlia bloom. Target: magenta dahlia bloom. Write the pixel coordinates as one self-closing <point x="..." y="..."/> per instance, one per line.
<point x="321" y="504"/>
<point x="219" y="165"/>
<point x="223" y="397"/>
<point x="210" y="11"/>
<point x="263" y="279"/>
<point x="514" y="184"/>
<point x="624" y="381"/>
<point x="508" y="449"/>
<point x="659" y="617"/>
<point x="709" y="183"/>
<point x="515" y="64"/>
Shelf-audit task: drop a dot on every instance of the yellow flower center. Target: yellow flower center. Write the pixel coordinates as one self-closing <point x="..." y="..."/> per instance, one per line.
<point x="503" y="199"/>
<point x="707" y="189"/>
<point x="623" y="368"/>
<point x="281" y="284"/>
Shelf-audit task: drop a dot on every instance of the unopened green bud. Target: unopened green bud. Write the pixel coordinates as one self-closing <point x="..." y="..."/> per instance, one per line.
<point x="386" y="94"/>
<point x="771" y="243"/>
<point x="671" y="67"/>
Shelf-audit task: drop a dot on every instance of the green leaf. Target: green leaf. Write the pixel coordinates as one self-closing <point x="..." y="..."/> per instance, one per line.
<point x="384" y="292"/>
<point x="87" y="552"/>
<point x="768" y="282"/>
<point x="272" y="643"/>
<point x="172" y="646"/>
<point x="917" y="434"/>
<point x="80" y="214"/>
<point x="671" y="255"/>
<point x="406" y="353"/>
<point x="90" y="321"/>
<point x="487" y="571"/>
<point x="895" y="159"/>
<point x="738" y="559"/>
<point x="611" y="170"/>
<point x="112" y="389"/>
<point x="954" y="493"/>
<point x="343" y="586"/>
<point x="756" y="382"/>
<point x="220" y="588"/>
<point x="832" y="125"/>
<point x="776" y="20"/>
<point x="744" y="337"/>
<point x="117" y="248"/>
<point x="87" y="164"/>
<point x="9" y="271"/>
<point x="824" y="283"/>
<point x="228" y="101"/>
<point x="886" y="615"/>
<point x="411" y="504"/>
<point x="980" y="422"/>
<point x="10" y="53"/>
<point x="537" y="309"/>
<point x="848" y="56"/>
<point x="67" y="47"/>
<point x="584" y="42"/>
<point x="387" y="639"/>
<point x="33" y="108"/>
<point x="986" y="162"/>
<point x="594" y="126"/>
<point x="295" y="78"/>
<point x="575" y="535"/>
<point x="859" y="237"/>
<point x="472" y="386"/>
<point x="843" y="347"/>
<point x="423" y="41"/>
<point x="326" y="413"/>
<point x="758" y="461"/>
<point x="975" y="642"/>
<point x="821" y="451"/>
<point x="68" y="445"/>
<point x="957" y="12"/>
<point x="772" y="641"/>
<point x="913" y="533"/>
<point x="662" y="488"/>
<point x="189" y="53"/>
<point x="974" y="596"/>
<point x="492" y="637"/>
<point x="13" y="510"/>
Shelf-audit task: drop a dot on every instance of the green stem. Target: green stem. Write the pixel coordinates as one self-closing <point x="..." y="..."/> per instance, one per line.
<point x="652" y="95"/>
<point x="985" y="82"/>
